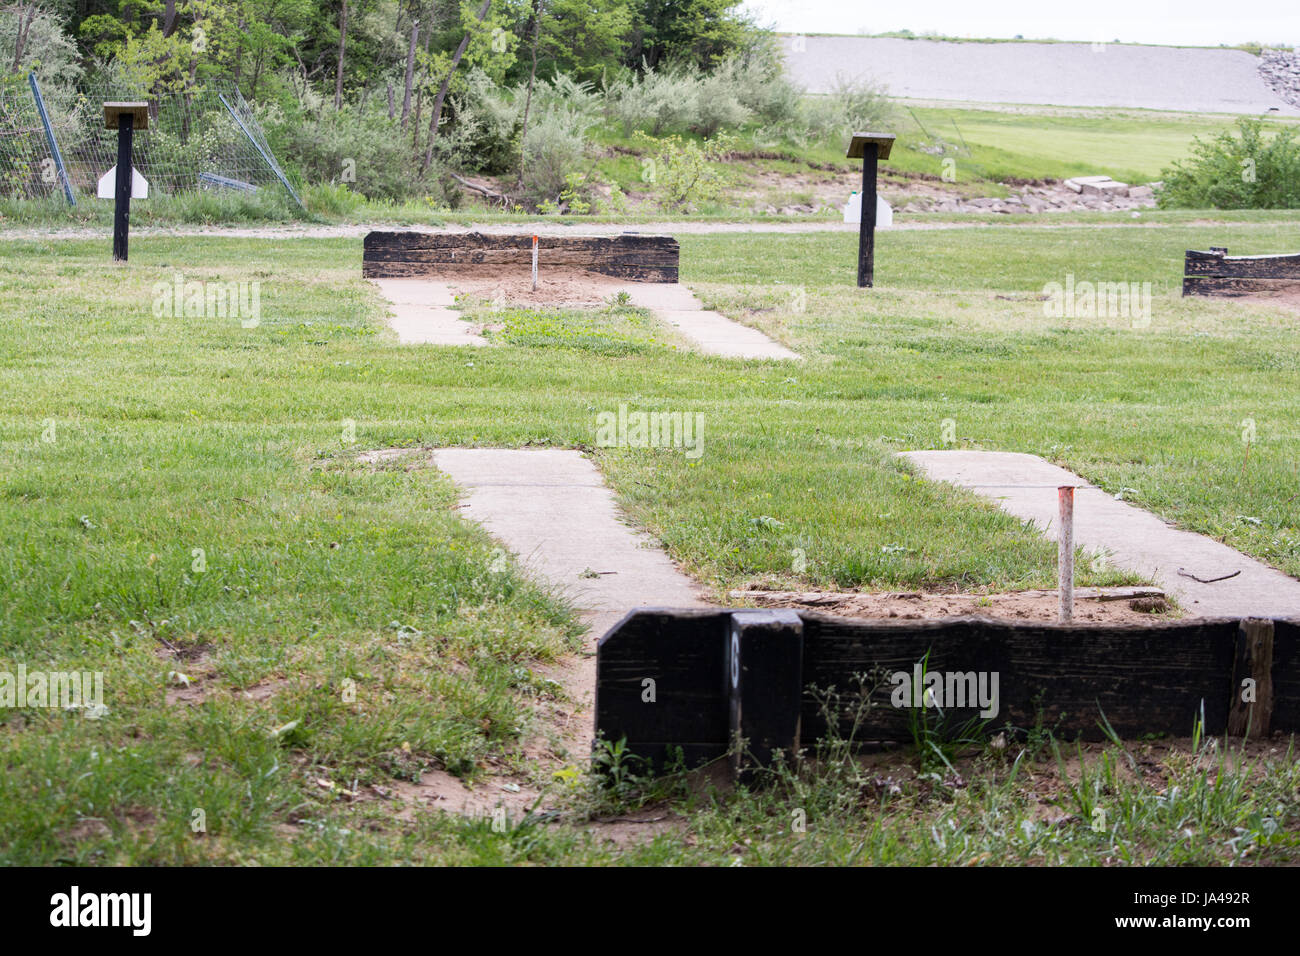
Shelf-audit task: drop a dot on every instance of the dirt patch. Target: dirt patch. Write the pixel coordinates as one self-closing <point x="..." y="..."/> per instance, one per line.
<point x="555" y="286"/>
<point x="1287" y="298"/>
<point x="198" y="687"/>
<point x="915" y="605"/>
<point x="440" y="790"/>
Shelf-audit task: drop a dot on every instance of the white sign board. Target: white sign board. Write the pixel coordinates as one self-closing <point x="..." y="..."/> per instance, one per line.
<point x="884" y="212"/>
<point x="108" y="185"/>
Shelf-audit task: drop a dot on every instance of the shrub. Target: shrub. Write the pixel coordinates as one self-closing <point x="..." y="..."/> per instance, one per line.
<point x="484" y="134"/>
<point x="554" y="149"/>
<point x="680" y="170"/>
<point x="1257" y="169"/>
<point x="656" y="102"/>
<point x="362" y="148"/>
<point x="759" y="83"/>
<point x="717" y="106"/>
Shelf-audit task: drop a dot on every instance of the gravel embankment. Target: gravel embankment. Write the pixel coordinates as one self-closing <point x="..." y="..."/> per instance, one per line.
<point x="1057" y="74"/>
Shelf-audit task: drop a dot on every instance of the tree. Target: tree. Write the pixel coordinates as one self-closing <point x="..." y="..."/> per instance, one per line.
<point x="701" y="32"/>
<point x="586" y="38"/>
<point x="410" y="73"/>
<point x="436" y="112"/>
<point x="343" y="42"/>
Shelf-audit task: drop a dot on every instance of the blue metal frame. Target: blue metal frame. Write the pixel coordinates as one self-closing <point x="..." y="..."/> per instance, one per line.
<point x="50" y="140"/>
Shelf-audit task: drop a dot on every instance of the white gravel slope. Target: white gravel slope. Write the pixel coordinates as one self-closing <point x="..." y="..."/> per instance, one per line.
<point x="1057" y="74"/>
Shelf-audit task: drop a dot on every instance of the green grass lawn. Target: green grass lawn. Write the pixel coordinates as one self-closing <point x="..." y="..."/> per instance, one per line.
<point x="182" y="508"/>
<point x="1131" y="145"/>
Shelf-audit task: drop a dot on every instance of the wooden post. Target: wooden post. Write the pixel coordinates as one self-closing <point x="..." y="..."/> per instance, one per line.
<point x="867" y="223"/>
<point x="534" y="263"/>
<point x="1254" y="663"/>
<point x="126" y="118"/>
<point x="122" y="188"/>
<point x="764" y="676"/>
<point x="1065" y="552"/>
<point x="871" y="148"/>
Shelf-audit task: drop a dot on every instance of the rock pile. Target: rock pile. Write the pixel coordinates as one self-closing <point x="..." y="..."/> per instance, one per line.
<point x="1091" y="192"/>
<point x="1280" y="70"/>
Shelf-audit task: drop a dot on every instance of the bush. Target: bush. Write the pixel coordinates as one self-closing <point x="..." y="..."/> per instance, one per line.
<point x="681" y="171"/>
<point x="364" y="149"/>
<point x="655" y="102"/>
<point x="759" y="83"/>
<point x="554" y="149"/>
<point x="851" y="106"/>
<point x="1257" y="169"/>
<point x="484" y="133"/>
<point x="717" y="106"/>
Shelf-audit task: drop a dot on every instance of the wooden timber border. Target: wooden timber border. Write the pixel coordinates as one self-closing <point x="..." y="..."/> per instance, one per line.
<point x="1217" y="273"/>
<point x="694" y="681"/>
<point x="637" y="258"/>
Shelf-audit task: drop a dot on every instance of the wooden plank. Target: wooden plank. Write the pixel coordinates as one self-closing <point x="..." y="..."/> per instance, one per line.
<point x="1286" y="676"/>
<point x="417" y="270"/>
<point x="764" y="655"/>
<point x="1258" y="267"/>
<point x="1252" y="680"/>
<point x="661" y="684"/>
<point x="884" y="143"/>
<point x="477" y="240"/>
<point x="1215" y="285"/>
<point x="520" y="257"/>
<point x="632" y="257"/>
<point x="1145" y="678"/>
<point x="665" y="679"/>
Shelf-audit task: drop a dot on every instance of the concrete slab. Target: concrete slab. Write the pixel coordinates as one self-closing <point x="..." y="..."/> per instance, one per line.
<point x="551" y="507"/>
<point x="711" y="332"/>
<point x="1129" y="537"/>
<point x="715" y="334"/>
<point x="421" y="313"/>
<point x="657" y="296"/>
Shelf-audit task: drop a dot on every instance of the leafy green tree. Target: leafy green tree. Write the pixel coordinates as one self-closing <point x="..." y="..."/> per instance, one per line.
<point x="584" y="38"/>
<point x="697" y="32"/>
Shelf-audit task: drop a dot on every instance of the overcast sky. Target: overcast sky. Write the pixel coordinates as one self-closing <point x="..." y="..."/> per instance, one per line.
<point x="1188" y="22"/>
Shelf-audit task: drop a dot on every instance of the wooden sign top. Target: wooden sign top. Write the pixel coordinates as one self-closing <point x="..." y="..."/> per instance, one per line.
<point x="139" y="113"/>
<point x="884" y="140"/>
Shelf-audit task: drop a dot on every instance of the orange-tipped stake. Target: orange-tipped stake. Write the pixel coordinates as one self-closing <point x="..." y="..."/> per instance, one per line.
<point x="534" y="263"/>
<point x="1065" y="552"/>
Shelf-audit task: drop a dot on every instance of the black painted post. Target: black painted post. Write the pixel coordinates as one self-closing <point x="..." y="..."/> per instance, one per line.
<point x="764" y="687"/>
<point x="122" y="188"/>
<point x="870" y="148"/>
<point x="867" y="229"/>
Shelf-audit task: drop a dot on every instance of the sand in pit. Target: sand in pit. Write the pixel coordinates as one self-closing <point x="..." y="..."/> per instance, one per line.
<point x="1036" y="606"/>
<point x="1287" y="297"/>
<point x="554" y="287"/>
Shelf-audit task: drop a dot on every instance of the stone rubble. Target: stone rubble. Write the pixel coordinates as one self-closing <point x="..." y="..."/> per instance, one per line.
<point x="1091" y="192"/>
<point x="1280" y="71"/>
